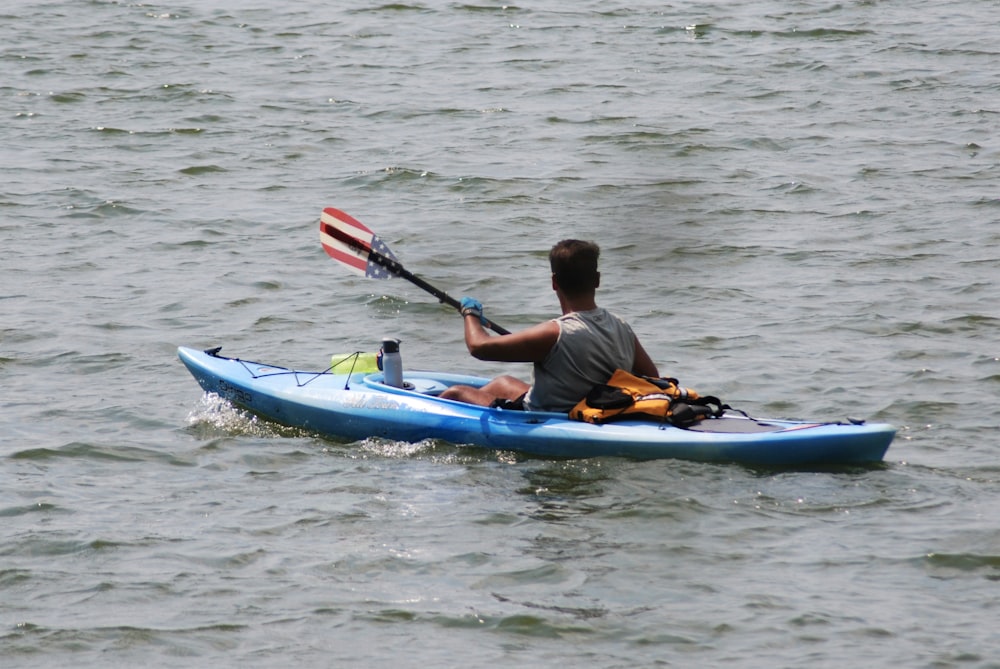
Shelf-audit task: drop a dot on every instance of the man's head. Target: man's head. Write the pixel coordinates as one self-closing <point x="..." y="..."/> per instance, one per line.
<point x="574" y="266"/>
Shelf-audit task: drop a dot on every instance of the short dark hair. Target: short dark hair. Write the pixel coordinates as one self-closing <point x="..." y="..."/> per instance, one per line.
<point x="574" y="265"/>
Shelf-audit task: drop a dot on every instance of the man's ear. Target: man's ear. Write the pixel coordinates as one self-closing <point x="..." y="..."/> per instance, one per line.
<point x="597" y="282"/>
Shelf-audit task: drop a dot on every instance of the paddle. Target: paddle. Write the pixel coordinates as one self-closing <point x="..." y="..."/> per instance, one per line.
<point x="349" y="242"/>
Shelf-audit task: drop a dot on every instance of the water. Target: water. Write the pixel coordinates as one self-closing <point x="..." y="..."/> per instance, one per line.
<point x="798" y="208"/>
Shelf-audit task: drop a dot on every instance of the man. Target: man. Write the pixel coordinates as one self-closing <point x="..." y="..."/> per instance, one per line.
<point x="571" y="354"/>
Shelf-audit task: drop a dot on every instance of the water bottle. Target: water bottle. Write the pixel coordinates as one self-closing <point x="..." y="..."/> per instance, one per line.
<point x="392" y="363"/>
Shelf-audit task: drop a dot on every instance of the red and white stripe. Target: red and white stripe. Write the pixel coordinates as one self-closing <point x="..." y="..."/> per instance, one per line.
<point x="355" y="259"/>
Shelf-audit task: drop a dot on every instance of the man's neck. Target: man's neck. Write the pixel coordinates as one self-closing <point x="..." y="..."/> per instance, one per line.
<point x="576" y="303"/>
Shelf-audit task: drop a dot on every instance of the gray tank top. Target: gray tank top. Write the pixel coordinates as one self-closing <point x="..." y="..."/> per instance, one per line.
<point x="591" y="346"/>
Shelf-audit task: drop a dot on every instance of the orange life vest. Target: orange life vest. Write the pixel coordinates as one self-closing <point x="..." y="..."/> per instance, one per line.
<point x="626" y="396"/>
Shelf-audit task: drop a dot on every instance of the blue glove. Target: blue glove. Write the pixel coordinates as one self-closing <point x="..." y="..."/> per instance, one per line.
<point x="472" y="306"/>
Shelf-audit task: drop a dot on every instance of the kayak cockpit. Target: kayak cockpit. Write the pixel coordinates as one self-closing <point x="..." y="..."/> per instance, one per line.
<point x="422" y="385"/>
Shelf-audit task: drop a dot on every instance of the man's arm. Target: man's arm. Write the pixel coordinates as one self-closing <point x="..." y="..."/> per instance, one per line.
<point x="643" y="365"/>
<point x="531" y="345"/>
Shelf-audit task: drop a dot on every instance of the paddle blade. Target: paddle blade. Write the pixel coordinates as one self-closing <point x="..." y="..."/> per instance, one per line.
<point x="349" y="242"/>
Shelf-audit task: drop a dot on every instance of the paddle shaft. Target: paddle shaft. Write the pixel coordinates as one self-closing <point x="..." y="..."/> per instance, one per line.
<point x="402" y="272"/>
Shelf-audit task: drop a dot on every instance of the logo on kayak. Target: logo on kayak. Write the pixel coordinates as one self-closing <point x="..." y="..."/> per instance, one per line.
<point x="234" y="394"/>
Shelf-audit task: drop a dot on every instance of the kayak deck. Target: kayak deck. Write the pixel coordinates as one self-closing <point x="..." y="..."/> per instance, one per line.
<point x="357" y="405"/>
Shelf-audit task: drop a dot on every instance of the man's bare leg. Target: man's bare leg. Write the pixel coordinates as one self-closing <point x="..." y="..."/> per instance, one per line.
<point x="502" y="387"/>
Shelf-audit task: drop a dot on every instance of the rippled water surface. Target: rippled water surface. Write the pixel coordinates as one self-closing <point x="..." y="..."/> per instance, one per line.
<point x="798" y="208"/>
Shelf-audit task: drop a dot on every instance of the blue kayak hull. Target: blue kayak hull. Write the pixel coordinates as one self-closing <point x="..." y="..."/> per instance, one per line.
<point x="357" y="406"/>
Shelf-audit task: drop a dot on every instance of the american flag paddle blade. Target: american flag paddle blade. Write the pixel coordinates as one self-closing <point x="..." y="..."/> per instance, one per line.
<point x="349" y="242"/>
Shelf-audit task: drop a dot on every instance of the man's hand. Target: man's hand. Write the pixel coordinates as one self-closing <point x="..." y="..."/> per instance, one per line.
<point x="473" y="307"/>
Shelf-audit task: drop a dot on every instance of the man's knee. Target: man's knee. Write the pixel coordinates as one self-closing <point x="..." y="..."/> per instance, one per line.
<point x="507" y="387"/>
<point x="454" y="393"/>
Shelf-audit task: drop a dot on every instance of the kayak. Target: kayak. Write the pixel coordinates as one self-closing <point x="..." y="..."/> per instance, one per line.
<point x="357" y="404"/>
